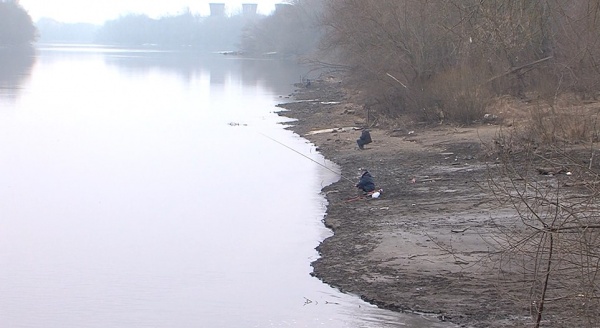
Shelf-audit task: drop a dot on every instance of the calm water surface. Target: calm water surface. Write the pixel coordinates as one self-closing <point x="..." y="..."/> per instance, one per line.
<point x="137" y="190"/>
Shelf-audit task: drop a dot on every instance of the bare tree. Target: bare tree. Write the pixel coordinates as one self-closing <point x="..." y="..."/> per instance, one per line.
<point x="553" y="246"/>
<point x="452" y="57"/>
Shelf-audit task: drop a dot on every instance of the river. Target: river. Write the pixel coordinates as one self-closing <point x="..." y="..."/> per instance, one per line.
<point x="143" y="188"/>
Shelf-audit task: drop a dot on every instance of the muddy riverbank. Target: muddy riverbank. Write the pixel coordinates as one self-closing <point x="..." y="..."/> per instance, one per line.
<point x="422" y="245"/>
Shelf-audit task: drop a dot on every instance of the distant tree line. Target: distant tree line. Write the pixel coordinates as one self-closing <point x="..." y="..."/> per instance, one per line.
<point x="16" y="26"/>
<point x="185" y="29"/>
<point x="291" y="30"/>
<point x="182" y="30"/>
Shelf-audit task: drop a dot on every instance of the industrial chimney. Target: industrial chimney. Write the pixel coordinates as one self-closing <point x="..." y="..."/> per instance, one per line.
<point x="217" y="9"/>
<point x="249" y="9"/>
<point x="282" y="8"/>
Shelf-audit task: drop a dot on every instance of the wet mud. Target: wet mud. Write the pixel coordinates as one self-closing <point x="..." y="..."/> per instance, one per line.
<point x="421" y="246"/>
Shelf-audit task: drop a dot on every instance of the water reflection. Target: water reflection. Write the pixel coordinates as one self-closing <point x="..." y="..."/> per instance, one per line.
<point x="190" y="64"/>
<point x="15" y="69"/>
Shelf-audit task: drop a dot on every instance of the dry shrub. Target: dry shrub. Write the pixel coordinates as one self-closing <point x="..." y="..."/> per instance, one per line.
<point x="512" y="111"/>
<point x="460" y="95"/>
<point x="451" y="57"/>
<point x="564" y="123"/>
<point x="381" y="96"/>
<point x="562" y="120"/>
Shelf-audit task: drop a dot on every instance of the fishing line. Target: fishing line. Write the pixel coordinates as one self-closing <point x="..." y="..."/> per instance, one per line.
<point x="299" y="153"/>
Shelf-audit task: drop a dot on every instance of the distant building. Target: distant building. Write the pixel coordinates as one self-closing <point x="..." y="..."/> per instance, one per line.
<point x="282" y="8"/>
<point x="249" y="9"/>
<point x="217" y="9"/>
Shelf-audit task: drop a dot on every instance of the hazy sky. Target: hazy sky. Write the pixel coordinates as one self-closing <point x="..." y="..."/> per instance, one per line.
<point x="98" y="11"/>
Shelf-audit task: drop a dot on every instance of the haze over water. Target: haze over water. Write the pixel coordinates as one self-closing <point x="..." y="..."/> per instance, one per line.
<point x="138" y="189"/>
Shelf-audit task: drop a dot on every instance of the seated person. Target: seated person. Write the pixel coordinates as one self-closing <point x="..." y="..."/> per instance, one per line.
<point x="366" y="182"/>
<point x="365" y="138"/>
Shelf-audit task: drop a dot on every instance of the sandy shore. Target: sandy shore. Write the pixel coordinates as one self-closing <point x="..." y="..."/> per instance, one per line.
<point x="421" y="245"/>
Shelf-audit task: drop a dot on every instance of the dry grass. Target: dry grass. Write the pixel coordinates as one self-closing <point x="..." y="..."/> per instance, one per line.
<point x="568" y="121"/>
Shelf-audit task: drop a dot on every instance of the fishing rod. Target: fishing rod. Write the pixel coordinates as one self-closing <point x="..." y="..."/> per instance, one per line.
<point x="297" y="152"/>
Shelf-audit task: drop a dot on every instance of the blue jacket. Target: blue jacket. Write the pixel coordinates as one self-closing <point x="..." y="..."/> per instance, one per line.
<point x="366" y="182"/>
